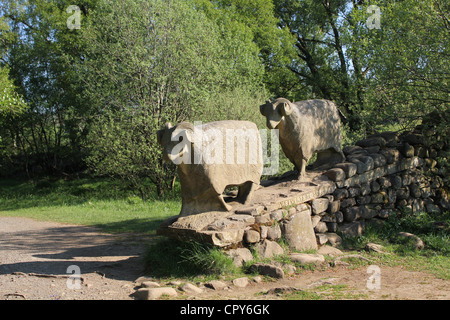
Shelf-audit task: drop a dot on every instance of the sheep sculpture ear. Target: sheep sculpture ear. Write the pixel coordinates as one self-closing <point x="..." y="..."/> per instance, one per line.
<point x="285" y="108"/>
<point x="188" y="130"/>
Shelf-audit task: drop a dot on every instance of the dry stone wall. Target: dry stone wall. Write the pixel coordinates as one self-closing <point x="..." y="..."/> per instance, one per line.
<point x="382" y="174"/>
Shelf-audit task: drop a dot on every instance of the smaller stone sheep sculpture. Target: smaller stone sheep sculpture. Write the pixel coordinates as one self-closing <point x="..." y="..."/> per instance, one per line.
<point x="306" y="127"/>
<point x="212" y="157"/>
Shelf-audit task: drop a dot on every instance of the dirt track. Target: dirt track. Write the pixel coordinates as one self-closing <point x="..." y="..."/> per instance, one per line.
<point x="35" y="257"/>
<point x="108" y="266"/>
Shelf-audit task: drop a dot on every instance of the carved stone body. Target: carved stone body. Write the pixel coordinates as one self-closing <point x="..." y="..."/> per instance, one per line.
<point x="306" y="127"/>
<point x="212" y="157"/>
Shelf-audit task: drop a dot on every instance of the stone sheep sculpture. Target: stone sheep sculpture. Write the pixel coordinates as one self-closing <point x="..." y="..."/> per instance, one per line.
<point x="305" y="128"/>
<point x="211" y="157"/>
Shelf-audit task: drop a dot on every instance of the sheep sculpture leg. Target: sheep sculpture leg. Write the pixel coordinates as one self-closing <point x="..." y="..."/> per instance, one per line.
<point x="245" y="192"/>
<point x="300" y="166"/>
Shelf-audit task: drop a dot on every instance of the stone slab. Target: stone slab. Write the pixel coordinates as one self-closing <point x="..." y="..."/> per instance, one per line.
<point x="299" y="232"/>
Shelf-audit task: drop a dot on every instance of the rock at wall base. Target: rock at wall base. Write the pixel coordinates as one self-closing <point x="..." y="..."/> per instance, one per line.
<point x="240" y="255"/>
<point x="154" y="293"/>
<point x="299" y="232"/>
<point x="352" y="229"/>
<point x="268" y="249"/>
<point x="305" y="258"/>
<point x="265" y="269"/>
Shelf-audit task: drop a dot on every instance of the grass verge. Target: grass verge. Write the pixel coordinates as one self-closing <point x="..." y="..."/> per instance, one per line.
<point x="432" y="228"/>
<point x="325" y="292"/>
<point x="166" y="258"/>
<point x="104" y="203"/>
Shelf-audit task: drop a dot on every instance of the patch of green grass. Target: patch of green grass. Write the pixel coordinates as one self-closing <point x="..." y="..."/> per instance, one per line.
<point x="324" y="292"/>
<point x="173" y="258"/>
<point x="104" y="203"/>
<point x="433" y="229"/>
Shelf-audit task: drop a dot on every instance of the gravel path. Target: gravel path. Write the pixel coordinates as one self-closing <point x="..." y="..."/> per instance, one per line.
<point x="35" y="257"/>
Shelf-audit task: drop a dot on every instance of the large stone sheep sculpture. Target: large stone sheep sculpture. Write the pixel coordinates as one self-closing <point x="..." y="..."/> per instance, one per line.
<point x="306" y="127"/>
<point x="212" y="157"/>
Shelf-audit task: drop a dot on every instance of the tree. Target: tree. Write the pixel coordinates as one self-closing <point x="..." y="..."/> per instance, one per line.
<point x="406" y="61"/>
<point x="11" y="106"/>
<point x="11" y="102"/>
<point x="47" y="137"/>
<point x="255" y="24"/>
<point x="376" y="76"/>
<point x="319" y="66"/>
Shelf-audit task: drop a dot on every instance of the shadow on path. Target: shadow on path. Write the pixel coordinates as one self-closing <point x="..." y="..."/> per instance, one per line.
<point x="30" y="246"/>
